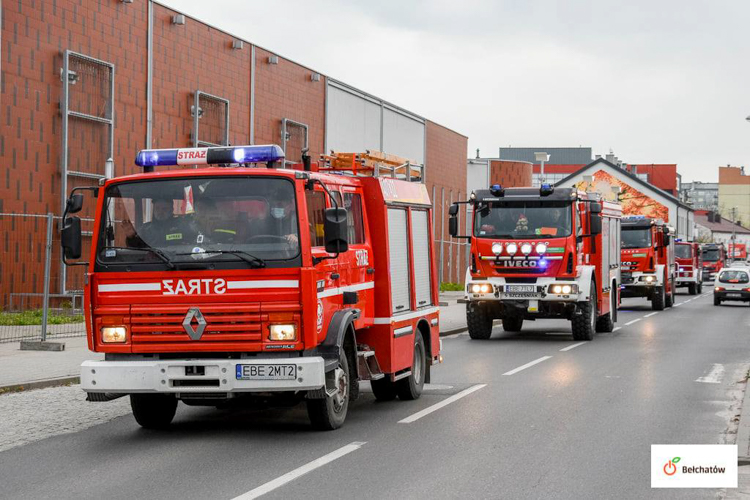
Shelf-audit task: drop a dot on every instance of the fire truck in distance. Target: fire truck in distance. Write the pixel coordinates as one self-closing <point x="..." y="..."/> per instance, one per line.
<point x="689" y="266"/>
<point x="215" y="286"/>
<point x="737" y="252"/>
<point x="714" y="259"/>
<point x="648" y="261"/>
<point x="541" y="253"/>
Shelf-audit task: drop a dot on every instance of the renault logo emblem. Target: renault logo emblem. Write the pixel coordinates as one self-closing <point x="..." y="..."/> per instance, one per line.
<point x="194" y="314"/>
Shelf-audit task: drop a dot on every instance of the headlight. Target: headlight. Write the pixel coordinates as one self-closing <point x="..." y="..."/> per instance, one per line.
<point x="649" y="279"/>
<point x="541" y="248"/>
<point x="485" y="288"/>
<point x="480" y="288"/>
<point x="567" y="289"/>
<point x="556" y="288"/>
<point x="497" y="248"/>
<point x="512" y="248"/>
<point x="563" y="289"/>
<point x="113" y="334"/>
<point x="283" y="332"/>
<point x="526" y="248"/>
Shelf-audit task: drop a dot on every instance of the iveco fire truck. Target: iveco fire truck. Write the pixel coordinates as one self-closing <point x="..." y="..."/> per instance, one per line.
<point x="217" y="286"/>
<point x="714" y="259"/>
<point x="541" y="253"/>
<point x="689" y="266"/>
<point x="648" y="261"/>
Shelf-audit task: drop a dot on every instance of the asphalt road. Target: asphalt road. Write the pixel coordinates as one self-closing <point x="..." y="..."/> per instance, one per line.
<point x="530" y="415"/>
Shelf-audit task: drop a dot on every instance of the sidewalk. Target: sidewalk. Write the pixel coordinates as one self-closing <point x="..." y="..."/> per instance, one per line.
<point x="19" y="367"/>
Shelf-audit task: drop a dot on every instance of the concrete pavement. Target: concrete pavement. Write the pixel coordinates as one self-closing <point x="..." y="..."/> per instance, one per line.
<point x="530" y="415"/>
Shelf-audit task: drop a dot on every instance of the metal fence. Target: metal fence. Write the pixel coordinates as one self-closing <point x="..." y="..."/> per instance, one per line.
<point x="36" y="303"/>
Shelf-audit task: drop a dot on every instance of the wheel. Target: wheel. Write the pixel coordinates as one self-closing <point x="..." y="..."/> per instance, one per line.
<point x="658" y="299"/>
<point x="584" y="324"/>
<point x="479" y="321"/>
<point x="329" y="413"/>
<point x="717" y="301"/>
<point x="512" y="324"/>
<point x="410" y="388"/>
<point x="692" y="289"/>
<point x="153" y="411"/>
<point x="606" y="322"/>
<point x="383" y="389"/>
<point x="669" y="299"/>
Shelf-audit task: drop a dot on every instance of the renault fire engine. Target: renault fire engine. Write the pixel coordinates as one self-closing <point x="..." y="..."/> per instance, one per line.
<point x="541" y="253"/>
<point x="689" y="266"/>
<point x="215" y="286"/>
<point x="648" y="261"/>
<point x="714" y="259"/>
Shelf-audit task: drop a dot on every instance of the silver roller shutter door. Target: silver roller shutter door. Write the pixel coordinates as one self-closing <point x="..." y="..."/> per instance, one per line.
<point x="422" y="264"/>
<point x="398" y="253"/>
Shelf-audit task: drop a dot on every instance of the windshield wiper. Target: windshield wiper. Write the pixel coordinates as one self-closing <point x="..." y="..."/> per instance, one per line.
<point x="247" y="257"/>
<point x="159" y="253"/>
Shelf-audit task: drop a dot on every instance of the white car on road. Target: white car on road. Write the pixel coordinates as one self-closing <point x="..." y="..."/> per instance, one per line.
<point x="732" y="283"/>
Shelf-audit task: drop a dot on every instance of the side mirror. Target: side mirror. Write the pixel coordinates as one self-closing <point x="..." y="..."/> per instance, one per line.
<point x="335" y="230"/>
<point x="667" y="239"/>
<point x="596" y="224"/>
<point x="70" y="237"/>
<point x="453" y="210"/>
<point x="75" y="203"/>
<point x="453" y="225"/>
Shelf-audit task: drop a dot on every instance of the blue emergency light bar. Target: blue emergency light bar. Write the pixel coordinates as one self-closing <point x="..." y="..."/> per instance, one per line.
<point x="546" y="189"/>
<point x="209" y="156"/>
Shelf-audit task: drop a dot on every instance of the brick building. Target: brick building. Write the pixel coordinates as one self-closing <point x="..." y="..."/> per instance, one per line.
<point x="138" y="73"/>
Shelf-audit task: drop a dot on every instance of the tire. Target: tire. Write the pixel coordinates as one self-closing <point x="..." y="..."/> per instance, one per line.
<point x="153" y="411"/>
<point x="658" y="299"/>
<point x="330" y="413"/>
<point x="410" y="388"/>
<point x="384" y="389"/>
<point x="512" y="324"/>
<point x="717" y="301"/>
<point x="606" y="322"/>
<point x="669" y="299"/>
<point x="479" y="321"/>
<point x="584" y="325"/>
<point x="693" y="289"/>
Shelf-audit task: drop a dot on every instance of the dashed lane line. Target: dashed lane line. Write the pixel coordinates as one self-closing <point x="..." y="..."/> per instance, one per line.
<point x="527" y="365"/>
<point x="565" y="349"/>
<point x="300" y="471"/>
<point x="437" y="406"/>
<point x="616" y="328"/>
<point x="636" y="320"/>
<point x="651" y="314"/>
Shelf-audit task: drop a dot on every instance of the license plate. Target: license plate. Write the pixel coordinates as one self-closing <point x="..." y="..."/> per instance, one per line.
<point x="522" y="295"/>
<point x="734" y="295"/>
<point x="520" y="288"/>
<point x="266" y="372"/>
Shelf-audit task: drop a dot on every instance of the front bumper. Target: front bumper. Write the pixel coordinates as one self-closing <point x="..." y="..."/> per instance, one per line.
<point x="638" y="285"/>
<point x="498" y="290"/>
<point x="217" y="376"/>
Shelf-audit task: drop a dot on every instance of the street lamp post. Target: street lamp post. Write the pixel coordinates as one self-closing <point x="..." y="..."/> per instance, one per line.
<point x="541" y="157"/>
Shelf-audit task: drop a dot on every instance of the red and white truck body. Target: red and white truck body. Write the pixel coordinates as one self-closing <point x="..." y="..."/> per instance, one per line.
<point x="542" y="253"/>
<point x="264" y="282"/>
<point x="689" y="266"/>
<point x="714" y="259"/>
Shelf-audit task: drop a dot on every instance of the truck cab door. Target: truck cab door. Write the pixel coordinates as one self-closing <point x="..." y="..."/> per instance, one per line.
<point x="357" y="269"/>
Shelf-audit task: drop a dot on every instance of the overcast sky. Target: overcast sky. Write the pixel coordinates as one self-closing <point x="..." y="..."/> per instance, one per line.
<point x="664" y="81"/>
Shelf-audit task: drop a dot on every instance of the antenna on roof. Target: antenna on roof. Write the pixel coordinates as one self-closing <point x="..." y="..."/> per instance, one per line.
<point x="477" y="153"/>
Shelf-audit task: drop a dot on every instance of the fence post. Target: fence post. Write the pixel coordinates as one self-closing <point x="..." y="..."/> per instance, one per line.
<point x="47" y="262"/>
<point x="442" y="231"/>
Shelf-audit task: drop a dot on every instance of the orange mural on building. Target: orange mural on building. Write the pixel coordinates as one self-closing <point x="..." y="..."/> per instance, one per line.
<point x="633" y="201"/>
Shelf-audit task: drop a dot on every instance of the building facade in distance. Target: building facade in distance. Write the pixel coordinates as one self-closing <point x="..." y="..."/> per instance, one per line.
<point x="734" y="194"/>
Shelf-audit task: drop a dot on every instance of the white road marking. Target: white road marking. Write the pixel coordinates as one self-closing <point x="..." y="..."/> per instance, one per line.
<point x="451" y="336"/>
<point x="564" y="349"/>
<point x="616" y="328"/>
<point x="436" y="387"/>
<point x="437" y="406"/>
<point x="299" y="472"/>
<point x="677" y="305"/>
<point x="527" y="365"/>
<point x="715" y="376"/>
<point x="651" y="314"/>
<point x="634" y="321"/>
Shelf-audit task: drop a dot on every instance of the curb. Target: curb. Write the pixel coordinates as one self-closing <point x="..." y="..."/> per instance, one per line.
<point x="743" y="431"/>
<point x="40" y="384"/>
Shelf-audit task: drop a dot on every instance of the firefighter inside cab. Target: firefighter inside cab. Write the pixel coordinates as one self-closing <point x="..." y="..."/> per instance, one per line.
<point x="541" y="253"/>
<point x="238" y="283"/>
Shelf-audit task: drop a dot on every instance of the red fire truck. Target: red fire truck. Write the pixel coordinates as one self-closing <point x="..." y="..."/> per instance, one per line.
<point x="689" y="266"/>
<point x="737" y="252"/>
<point x="214" y="286"/>
<point x="714" y="259"/>
<point x="648" y="261"/>
<point x="541" y="253"/>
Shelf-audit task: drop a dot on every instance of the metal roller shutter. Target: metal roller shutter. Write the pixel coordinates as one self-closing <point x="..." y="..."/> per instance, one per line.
<point x="422" y="265"/>
<point x="398" y="253"/>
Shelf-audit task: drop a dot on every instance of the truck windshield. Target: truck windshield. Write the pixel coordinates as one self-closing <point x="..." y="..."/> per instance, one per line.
<point x="523" y="219"/>
<point x="711" y="255"/>
<point x="683" y="252"/>
<point x="636" y="237"/>
<point x="224" y="222"/>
